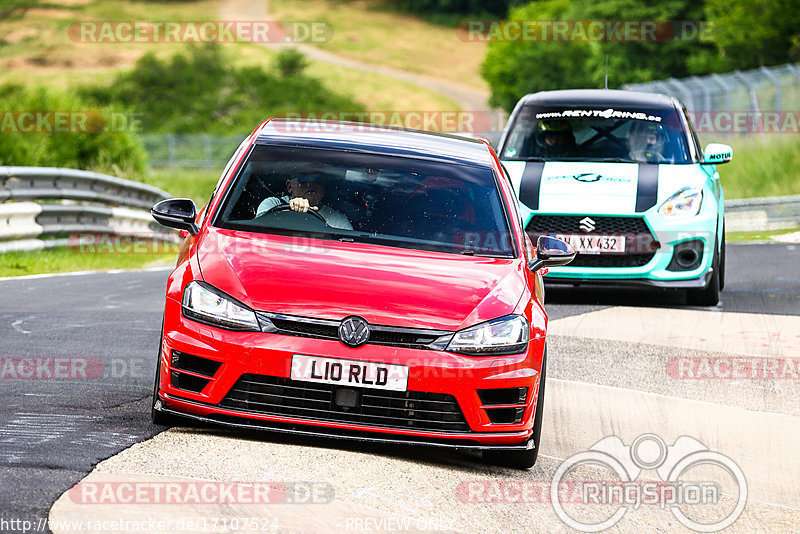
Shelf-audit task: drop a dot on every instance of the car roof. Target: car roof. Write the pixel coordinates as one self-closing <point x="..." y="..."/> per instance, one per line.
<point x="374" y="139"/>
<point x="600" y="97"/>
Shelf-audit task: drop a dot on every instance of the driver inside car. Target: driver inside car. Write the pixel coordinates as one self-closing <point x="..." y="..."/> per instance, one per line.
<point x="647" y="142"/>
<point x="555" y="139"/>
<point x="305" y="193"/>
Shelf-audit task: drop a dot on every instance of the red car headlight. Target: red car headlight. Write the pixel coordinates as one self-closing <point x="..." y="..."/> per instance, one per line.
<point x="504" y="335"/>
<point x="207" y="304"/>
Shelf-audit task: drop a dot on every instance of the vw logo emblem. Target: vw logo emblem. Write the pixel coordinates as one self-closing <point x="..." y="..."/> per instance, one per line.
<point x="354" y="331"/>
<point x="587" y="224"/>
<point x="587" y="177"/>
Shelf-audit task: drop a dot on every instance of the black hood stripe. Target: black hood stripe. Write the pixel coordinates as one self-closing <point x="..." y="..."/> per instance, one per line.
<point x="531" y="183"/>
<point x="647" y="187"/>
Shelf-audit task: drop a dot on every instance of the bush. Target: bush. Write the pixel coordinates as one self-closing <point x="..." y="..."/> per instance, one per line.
<point x="290" y="63"/>
<point x="94" y="145"/>
<point x="201" y="92"/>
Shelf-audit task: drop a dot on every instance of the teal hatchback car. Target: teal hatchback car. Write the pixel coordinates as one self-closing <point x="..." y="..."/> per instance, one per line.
<point x="621" y="176"/>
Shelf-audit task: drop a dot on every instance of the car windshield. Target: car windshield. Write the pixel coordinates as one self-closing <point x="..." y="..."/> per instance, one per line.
<point x="588" y="134"/>
<point x="387" y="200"/>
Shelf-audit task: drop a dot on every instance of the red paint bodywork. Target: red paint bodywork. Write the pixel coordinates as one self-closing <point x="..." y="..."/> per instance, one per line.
<point x="386" y="285"/>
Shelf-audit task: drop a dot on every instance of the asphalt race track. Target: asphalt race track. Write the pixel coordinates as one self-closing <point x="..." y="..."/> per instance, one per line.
<point x="624" y="364"/>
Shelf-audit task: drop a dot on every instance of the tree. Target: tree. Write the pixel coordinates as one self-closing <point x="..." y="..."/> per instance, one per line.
<point x="576" y="59"/>
<point x="752" y="33"/>
<point x="514" y="68"/>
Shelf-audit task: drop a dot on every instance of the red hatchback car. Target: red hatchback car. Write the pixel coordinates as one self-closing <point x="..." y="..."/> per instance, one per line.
<point x="363" y="282"/>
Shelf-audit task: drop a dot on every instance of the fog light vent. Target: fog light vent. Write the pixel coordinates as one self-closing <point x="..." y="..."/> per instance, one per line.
<point x="505" y="415"/>
<point x="186" y="382"/>
<point x="494" y="397"/>
<point x="194" y="364"/>
<point x="686" y="256"/>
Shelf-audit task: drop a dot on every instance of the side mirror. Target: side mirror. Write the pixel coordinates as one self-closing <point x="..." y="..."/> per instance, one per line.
<point x="717" y="153"/>
<point x="551" y="252"/>
<point x="177" y="213"/>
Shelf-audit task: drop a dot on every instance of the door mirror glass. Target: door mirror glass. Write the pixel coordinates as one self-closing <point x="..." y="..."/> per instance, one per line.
<point x="178" y="213"/>
<point x="551" y="252"/>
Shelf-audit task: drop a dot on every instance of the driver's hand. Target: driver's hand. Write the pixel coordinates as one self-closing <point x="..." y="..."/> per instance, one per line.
<point x="301" y="204"/>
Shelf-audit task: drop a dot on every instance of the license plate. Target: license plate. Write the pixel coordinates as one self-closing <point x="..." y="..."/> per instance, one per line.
<point x="595" y="244"/>
<point x="349" y="372"/>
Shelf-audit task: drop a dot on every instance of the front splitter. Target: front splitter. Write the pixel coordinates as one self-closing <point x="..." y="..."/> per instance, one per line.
<point x="693" y="283"/>
<point x="268" y="426"/>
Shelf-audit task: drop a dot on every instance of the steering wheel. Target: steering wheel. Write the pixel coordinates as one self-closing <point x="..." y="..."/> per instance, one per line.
<point x="286" y="207"/>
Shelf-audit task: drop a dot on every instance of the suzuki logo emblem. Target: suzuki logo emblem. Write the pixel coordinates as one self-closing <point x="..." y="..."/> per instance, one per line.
<point x="354" y="331"/>
<point x="587" y="224"/>
<point x="588" y="177"/>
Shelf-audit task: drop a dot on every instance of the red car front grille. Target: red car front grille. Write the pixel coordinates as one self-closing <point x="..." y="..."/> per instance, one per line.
<point x="410" y="410"/>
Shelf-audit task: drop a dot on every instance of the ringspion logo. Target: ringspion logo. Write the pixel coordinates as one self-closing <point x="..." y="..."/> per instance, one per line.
<point x="692" y="477"/>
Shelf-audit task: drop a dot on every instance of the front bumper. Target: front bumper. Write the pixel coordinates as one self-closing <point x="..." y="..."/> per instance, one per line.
<point x="657" y="272"/>
<point x="694" y="283"/>
<point x="269" y="355"/>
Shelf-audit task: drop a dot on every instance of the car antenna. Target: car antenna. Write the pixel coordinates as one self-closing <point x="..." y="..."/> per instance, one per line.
<point x="606" y="71"/>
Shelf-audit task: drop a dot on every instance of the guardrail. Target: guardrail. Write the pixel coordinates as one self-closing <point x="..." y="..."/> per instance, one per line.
<point x="82" y="202"/>
<point x="55" y="183"/>
<point x="759" y="214"/>
<point x="72" y="202"/>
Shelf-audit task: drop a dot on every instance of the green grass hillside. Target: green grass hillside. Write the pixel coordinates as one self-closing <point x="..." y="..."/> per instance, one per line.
<point x="762" y="167"/>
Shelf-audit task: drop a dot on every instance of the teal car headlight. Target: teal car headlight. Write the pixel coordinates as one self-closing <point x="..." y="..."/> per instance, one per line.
<point x="204" y="303"/>
<point x="685" y="203"/>
<point x="504" y="335"/>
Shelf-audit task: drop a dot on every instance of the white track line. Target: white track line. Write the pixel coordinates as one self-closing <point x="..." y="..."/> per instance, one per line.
<point x="81" y="273"/>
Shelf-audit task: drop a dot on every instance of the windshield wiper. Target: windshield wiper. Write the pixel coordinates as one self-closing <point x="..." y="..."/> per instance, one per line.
<point x="469" y="252"/>
<point x="617" y="160"/>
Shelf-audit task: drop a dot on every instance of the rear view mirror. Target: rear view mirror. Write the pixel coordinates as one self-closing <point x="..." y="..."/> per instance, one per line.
<point x="717" y="153"/>
<point x="178" y="213"/>
<point x="551" y="252"/>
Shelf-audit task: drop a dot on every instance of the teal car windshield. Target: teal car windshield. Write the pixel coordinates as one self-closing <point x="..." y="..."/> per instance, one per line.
<point x="586" y="134"/>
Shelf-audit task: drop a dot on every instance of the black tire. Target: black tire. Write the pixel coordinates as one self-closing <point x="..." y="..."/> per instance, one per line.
<point x="159" y="417"/>
<point x="722" y="256"/>
<point x="710" y="295"/>
<point x="527" y="458"/>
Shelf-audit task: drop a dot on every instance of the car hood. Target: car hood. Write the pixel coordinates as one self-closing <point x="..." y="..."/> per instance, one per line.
<point x="385" y="285"/>
<point x="598" y="187"/>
